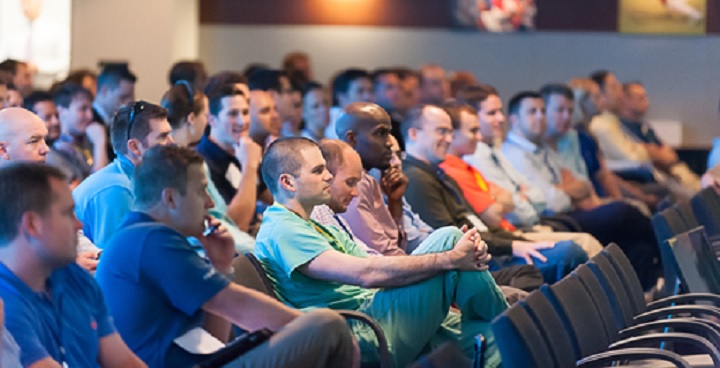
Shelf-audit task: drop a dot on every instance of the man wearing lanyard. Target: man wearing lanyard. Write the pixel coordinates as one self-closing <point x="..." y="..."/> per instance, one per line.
<point x="311" y="265"/>
<point x="55" y="309"/>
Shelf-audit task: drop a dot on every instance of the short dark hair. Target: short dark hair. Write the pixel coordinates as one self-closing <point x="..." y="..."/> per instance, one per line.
<point x="599" y="77"/>
<point x="10" y="66"/>
<point x="220" y="79"/>
<point x="283" y="157"/>
<point x="216" y="95"/>
<point x="24" y="187"/>
<point x="77" y="76"/>
<point x="311" y="86"/>
<point x="556" y="89"/>
<point x="180" y="100"/>
<point x="626" y="86"/>
<point x="67" y="92"/>
<point x="476" y="94"/>
<point x="516" y="101"/>
<point x="144" y="112"/>
<point x="162" y="167"/>
<point x="266" y="80"/>
<point x="377" y="73"/>
<point x="455" y="109"/>
<point x="112" y="75"/>
<point x="341" y="82"/>
<point x="35" y="97"/>
<point x="191" y="71"/>
<point x="404" y="73"/>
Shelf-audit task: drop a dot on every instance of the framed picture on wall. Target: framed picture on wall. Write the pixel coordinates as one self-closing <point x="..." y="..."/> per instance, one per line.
<point x="663" y="16"/>
<point x="495" y="15"/>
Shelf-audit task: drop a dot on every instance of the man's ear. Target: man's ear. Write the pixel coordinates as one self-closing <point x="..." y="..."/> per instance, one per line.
<point x="212" y="120"/>
<point x="3" y="150"/>
<point x="133" y="146"/>
<point x="30" y="224"/>
<point x="169" y="197"/>
<point x="412" y="133"/>
<point x="287" y="182"/>
<point x="350" y="138"/>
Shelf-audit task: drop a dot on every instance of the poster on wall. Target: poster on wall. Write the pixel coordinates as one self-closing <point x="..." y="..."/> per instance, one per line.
<point x="495" y="15"/>
<point x="38" y="32"/>
<point x="663" y="16"/>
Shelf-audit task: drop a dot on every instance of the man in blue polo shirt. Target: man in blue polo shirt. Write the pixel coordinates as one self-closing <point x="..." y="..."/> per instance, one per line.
<point x="103" y="199"/>
<point x="160" y="291"/>
<point x="55" y="310"/>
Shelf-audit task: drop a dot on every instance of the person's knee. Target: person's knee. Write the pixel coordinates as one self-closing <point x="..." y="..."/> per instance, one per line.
<point x="571" y="252"/>
<point x="326" y="322"/>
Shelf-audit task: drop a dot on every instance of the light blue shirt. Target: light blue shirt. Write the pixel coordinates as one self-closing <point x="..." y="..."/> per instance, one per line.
<point x="714" y="157"/>
<point x="495" y="167"/>
<point x="570" y="154"/>
<point x="104" y="198"/>
<point x="542" y="166"/>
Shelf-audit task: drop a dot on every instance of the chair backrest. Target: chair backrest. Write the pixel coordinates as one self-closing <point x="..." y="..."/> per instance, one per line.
<point x="613" y="287"/>
<point x="519" y="340"/>
<point x="552" y="328"/>
<point x="684" y="209"/>
<point x="676" y="222"/>
<point x="577" y="310"/>
<point x="706" y="207"/>
<point x="249" y="273"/>
<point x="627" y="275"/>
<point x="663" y="232"/>
<point x="698" y="266"/>
<point x="612" y="321"/>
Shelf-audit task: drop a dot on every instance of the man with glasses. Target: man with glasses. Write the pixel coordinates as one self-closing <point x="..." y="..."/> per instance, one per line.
<point x="105" y="197"/>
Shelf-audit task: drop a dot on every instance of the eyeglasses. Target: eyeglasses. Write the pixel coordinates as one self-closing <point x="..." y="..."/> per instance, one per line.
<point x="137" y="108"/>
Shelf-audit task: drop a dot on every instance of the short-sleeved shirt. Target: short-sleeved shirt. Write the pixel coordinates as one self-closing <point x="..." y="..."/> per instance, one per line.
<point x="103" y="200"/>
<point x="155" y="285"/>
<point x="286" y="241"/>
<point x="70" y="315"/>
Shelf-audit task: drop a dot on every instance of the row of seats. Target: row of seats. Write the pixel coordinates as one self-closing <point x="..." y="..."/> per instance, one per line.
<point x="597" y="315"/>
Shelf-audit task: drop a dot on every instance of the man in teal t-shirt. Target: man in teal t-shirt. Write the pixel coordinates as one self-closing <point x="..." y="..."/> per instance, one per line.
<point x="312" y="266"/>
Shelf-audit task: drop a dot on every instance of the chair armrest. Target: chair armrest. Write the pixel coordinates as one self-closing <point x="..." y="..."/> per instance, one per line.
<point x="685" y="325"/>
<point x="675" y="311"/>
<point x="685" y="299"/>
<point x="643" y="341"/>
<point x="383" y="351"/>
<point x="603" y="359"/>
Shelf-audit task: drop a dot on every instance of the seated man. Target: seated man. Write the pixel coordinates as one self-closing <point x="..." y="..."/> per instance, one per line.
<point x="312" y="265"/>
<point x="22" y="136"/>
<point x="348" y="86"/>
<point x="81" y="147"/>
<point x="135" y="129"/>
<point x="231" y="155"/>
<point x="42" y="104"/>
<point x="158" y="289"/>
<point x="440" y="201"/>
<point x="44" y="291"/>
<point x="613" y="222"/>
<point x="346" y="168"/>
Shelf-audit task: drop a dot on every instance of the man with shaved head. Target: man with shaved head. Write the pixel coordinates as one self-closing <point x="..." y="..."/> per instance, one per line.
<point x="22" y="136"/>
<point x="312" y="265"/>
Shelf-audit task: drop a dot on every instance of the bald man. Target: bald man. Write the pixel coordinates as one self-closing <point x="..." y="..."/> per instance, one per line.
<point x="22" y="138"/>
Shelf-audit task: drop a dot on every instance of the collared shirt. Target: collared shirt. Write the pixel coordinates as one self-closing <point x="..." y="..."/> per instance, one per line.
<point x="493" y="164"/>
<point x="225" y="169"/>
<point x="370" y="219"/>
<point x="286" y="241"/>
<point x="155" y="285"/>
<point x="642" y="131"/>
<point x="542" y="166"/>
<point x="570" y="151"/>
<point x="74" y="159"/>
<point x="104" y="198"/>
<point x="71" y="317"/>
<point x="474" y="186"/>
<point x="323" y="214"/>
<point x="439" y="201"/>
<point x="621" y="150"/>
<point x="335" y="113"/>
